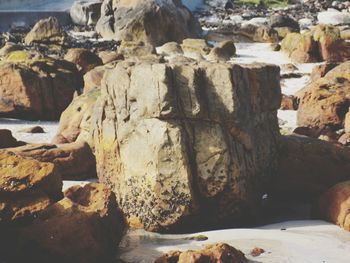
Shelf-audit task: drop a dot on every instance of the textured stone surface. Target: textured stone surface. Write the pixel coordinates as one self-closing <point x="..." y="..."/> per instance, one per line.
<point x="322" y="43"/>
<point x="86" y="12"/>
<point x="76" y="119"/>
<point x="325" y="102"/>
<point x="334" y="205"/>
<point x="149" y="21"/>
<point x="41" y="88"/>
<point x="85" y="226"/>
<point x="75" y="161"/>
<point x="26" y="187"/>
<point x="217" y="253"/>
<point x="84" y="59"/>
<point x="183" y="141"/>
<point x="307" y="167"/>
<point x="47" y="32"/>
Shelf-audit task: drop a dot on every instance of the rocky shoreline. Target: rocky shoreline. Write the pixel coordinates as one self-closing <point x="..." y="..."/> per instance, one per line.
<point x="175" y="117"/>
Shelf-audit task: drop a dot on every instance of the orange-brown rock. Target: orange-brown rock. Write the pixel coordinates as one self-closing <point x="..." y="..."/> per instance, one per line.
<point x="41" y="88"/>
<point x="83" y="58"/>
<point x="325" y="102"/>
<point x="323" y="43"/>
<point x="217" y="253"/>
<point x="307" y="167"/>
<point x="26" y="187"/>
<point x="257" y="251"/>
<point x="108" y="56"/>
<point x="7" y="140"/>
<point x="75" y="161"/>
<point x="76" y="119"/>
<point x="320" y="71"/>
<point x="86" y="226"/>
<point x="334" y="205"/>
<point x="289" y="102"/>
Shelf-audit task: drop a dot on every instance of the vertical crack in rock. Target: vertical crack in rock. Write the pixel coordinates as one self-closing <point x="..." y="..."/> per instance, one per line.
<point x="187" y="142"/>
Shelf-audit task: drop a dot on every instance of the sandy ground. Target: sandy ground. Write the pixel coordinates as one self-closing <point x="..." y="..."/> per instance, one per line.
<point x="310" y="241"/>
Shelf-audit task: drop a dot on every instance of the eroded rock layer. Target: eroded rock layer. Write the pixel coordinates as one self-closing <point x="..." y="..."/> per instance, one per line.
<point x="179" y="142"/>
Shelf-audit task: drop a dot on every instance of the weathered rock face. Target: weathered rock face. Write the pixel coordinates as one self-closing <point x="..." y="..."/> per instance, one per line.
<point x="177" y="142"/>
<point x="75" y="161"/>
<point x="334" y="205"/>
<point x="76" y="119"/>
<point x="323" y="43"/>
<point x="83" y="58"/>
<point x="148" y="21"/>
<point x="85" y="226"/>
<point x="308" y="167"/>
<point x="41" y="88"/>
<point x="92" y="79"/>
<point x="86" y="12"/>
<point x="325" y="102"/>
<point x="26" y="187"/>
<point x="46" y="31"/>
<point x="218" y="253"/>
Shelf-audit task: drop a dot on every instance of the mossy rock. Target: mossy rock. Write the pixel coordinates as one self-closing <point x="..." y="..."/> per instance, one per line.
<point x="18" y="56"/>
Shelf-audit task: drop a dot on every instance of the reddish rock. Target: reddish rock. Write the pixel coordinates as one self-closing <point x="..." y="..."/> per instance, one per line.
<point x="83" y="58"/>
<point x="307" y="167"/>
<point x="257" y="251"/>
<point x="41" y="88"/>
<point x="289" y="102"/>
<point x="325" y="102"/>
<point x="334" y="205"/>
<point x="217" y="253"/>
<point x="85" y="226"/>
<point x="26" y="187"/>
<point x="75" y="161"/>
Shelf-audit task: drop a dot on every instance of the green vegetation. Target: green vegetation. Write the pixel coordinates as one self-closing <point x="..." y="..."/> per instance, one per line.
<point x="267" y="3"/>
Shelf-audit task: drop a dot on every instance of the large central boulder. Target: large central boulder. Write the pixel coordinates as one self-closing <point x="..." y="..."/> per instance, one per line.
<point x="150" y="21"/>
<point x="181" y="143"/>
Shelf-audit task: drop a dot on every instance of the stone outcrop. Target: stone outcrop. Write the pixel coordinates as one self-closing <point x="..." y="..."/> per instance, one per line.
<point x="75" y="161"/>
<point x="85" y="226"/>
<point x="92" y="79"/>
<point x="307" y="167"/>
<point x="258" y="33"/>
<point x="184" y="141"/>
<point x="84" y="59"/>
<point x="149" y="21"/>
<point x="334" y="205"/>
<point x="217" y="253"/>
<point x="323" y="43"/>
<point x="325" y="102"/>
<point x="26" y="187"/>
<point x="47" y="32"/>
<point x="86" y="12"/>
<point x="41" y="87"/>
<point x="76" y="119"/>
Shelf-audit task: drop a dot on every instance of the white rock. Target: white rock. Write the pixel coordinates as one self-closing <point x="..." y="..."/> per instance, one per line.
<point x="305" y="23"/>
<point x="333" y="17"/>
<point x="258" y="21"/>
